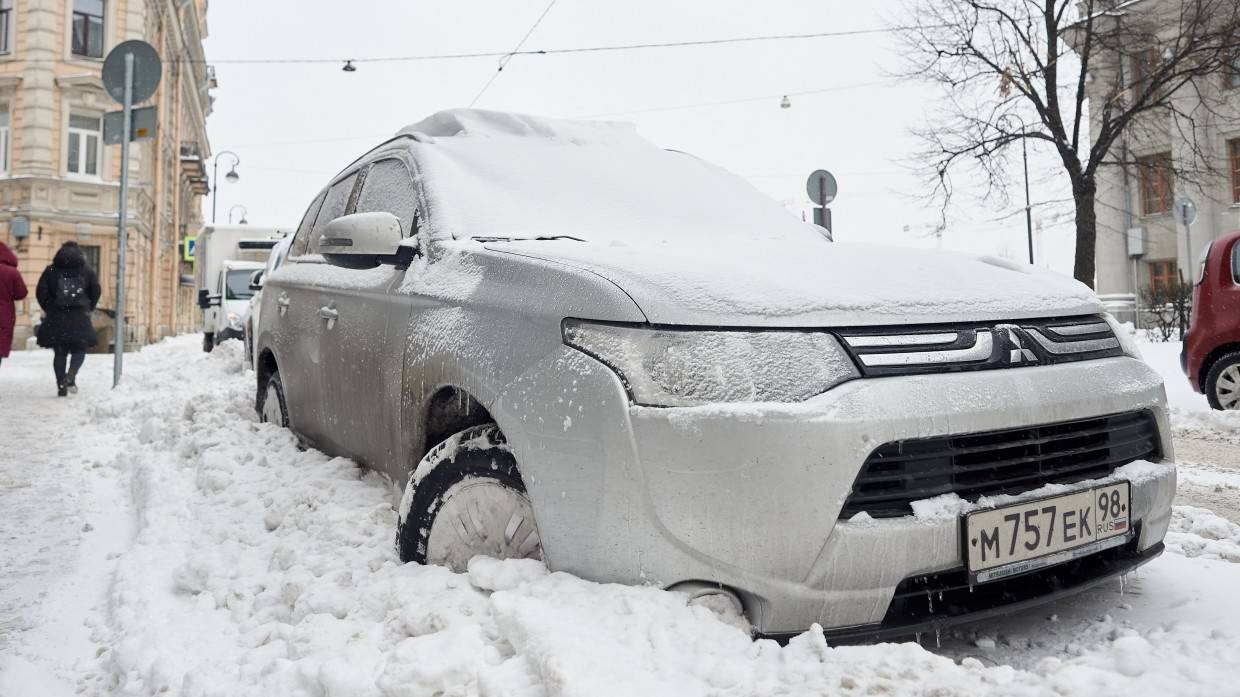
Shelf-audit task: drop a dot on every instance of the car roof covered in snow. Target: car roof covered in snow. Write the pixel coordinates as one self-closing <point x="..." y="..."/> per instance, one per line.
<point x="487" y="173"/>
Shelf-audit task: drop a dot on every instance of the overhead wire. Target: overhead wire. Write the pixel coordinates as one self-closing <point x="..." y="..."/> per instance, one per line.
<point x="504" y="61"/>
<point x="551" y="51"/>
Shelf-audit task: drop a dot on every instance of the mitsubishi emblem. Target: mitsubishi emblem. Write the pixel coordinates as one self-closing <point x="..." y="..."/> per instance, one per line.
<point x="1018" y="353"/>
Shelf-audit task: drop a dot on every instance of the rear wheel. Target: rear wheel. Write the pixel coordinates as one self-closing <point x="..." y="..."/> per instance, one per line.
<point x="271" y="406"/>
<point x="469" y="501"/>
<point x="1223" y="382"/>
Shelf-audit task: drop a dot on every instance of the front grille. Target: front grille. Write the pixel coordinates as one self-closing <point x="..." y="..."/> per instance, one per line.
<point x="943" y="348"/>
<point x="999" y="462"/>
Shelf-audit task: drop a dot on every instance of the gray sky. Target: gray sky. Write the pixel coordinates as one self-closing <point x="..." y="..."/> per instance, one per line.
<point x="294" y="126"/>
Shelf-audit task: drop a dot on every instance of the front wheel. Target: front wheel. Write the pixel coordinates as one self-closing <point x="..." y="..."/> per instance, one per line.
<point x="208" y="342"/>
<point x="469" y="500"/>
<point x="1223" y="382"/>
<point x="271" y="405"/>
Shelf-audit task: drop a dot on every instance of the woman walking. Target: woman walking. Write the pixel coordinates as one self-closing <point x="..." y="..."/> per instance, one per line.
<point x="67" y="292"/>
<point x="12" y="289"/>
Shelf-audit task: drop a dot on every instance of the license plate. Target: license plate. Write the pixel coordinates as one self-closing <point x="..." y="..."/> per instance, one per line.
<point x="1030" y="535"/>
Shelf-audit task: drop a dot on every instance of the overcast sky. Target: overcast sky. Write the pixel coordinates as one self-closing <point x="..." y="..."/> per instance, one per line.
<point x="295" y="125"/>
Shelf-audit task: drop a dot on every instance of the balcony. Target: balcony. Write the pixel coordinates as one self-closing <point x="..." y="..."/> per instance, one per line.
<point x="192" y="165"/>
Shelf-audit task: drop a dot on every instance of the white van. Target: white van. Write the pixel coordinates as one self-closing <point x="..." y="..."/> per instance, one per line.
<point x="225" y="258"/>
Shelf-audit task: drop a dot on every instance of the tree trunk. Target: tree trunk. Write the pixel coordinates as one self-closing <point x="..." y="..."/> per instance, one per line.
<point x="1086" y="231"/>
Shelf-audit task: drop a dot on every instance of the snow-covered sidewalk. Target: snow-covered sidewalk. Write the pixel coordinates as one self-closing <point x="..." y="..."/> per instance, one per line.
<point x="187" y="550"/>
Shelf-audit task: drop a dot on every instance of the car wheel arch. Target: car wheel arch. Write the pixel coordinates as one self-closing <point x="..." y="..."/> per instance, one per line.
<point x="448" y="410"/>
<point x="1211" y="358"/>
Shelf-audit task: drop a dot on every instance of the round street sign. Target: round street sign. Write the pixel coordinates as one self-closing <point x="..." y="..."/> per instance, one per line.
<point x="821" y="187"/>
<point x="147" y="70"/>
<point x="1184" y="211"/>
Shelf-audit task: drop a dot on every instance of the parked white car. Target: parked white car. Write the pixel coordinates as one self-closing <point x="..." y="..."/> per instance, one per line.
<point x="254" y="310"/>
<point x="569" y="344"/>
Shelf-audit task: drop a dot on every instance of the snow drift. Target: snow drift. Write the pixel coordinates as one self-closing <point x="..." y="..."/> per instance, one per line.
<point x="261" y="569"/>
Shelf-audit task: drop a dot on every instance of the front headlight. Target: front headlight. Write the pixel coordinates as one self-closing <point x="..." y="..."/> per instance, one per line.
<point x="1126" y="335"/>
<point x="234" y="320"/>
<point x="678" y="368"/>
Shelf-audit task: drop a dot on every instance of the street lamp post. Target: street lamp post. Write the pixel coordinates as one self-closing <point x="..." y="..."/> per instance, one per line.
<point x="232" y="175"/>
<point x="1024" y="156"/>
<point x="244" y="211"/>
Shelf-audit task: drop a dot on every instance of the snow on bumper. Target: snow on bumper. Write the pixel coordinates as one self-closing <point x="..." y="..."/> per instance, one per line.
<point x="749" y="495"/>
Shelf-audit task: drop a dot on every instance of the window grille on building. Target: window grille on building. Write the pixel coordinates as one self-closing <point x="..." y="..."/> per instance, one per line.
<point x="1163" y="275"/>
<point x="88" y="28"/>
<point x="1233" y="151"/>
<point x="83" y="145"/>
<point x="6" y="26"/>
<point x="1154" y="172"/>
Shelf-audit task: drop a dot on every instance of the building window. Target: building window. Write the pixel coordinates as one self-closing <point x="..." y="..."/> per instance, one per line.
<point x="1233" y="151"/>
<point x="91" y="252"/>
<point x="4" y="139"/>
<point x="1144" y="65"/>
<point x="1163" y="275"/>
<point x="83" y="145"/>
<point x="6" y="26"/>
<point x="1154" y="172"/>
<point x="88" y="28"/>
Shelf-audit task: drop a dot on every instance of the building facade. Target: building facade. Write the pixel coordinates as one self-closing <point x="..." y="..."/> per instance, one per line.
<point x="1140" y="245"/>
<point x="59" y="182"/>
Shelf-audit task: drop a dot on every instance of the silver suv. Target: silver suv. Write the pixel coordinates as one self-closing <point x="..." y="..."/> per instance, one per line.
<point x="567" y="343"/>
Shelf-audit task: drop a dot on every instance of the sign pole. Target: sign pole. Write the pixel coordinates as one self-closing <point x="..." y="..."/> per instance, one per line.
<point x="122" y="226"/>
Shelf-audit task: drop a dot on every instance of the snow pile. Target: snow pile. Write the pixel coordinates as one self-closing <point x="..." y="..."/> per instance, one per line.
<point x="260" y="569"/>
<point x="1222" y="426"/>
<point x="1198" y="532"/>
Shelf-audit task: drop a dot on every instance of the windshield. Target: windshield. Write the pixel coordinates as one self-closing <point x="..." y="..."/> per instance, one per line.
<point x="237" y="284"/>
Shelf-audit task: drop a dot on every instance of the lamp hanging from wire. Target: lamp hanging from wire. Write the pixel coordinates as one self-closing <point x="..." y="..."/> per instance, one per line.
<point x="785" y="103"/>
<point x="349" y="67"/>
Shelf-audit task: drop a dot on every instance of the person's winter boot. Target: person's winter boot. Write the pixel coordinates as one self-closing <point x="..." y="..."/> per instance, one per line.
<point x="71" y="383"/>
<point x="62" y="391"/>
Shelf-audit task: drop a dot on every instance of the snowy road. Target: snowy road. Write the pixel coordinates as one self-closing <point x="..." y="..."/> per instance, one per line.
<point x="158" y="541"/>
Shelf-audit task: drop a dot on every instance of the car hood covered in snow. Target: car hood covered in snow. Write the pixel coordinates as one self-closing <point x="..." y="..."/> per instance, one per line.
<point x="690" y="242"/>
<point x="817" y="285"/>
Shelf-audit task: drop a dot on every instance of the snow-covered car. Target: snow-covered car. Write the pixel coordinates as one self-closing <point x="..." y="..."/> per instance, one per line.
<point x="568" y="343"/>
<point x="278" y="254"/>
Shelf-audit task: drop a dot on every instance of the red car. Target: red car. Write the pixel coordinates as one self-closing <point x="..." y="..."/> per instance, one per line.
<point x="1211" y="354"/>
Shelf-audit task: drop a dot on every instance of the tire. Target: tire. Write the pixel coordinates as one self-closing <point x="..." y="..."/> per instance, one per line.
<point x="270" y="403"/>
<point x="1223" y="382"/>
<point x="208" y="342"/>
<point x="472" y="472"/>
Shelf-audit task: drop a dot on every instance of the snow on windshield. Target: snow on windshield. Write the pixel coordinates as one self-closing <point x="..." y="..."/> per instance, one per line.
<point x="509" y="175"/>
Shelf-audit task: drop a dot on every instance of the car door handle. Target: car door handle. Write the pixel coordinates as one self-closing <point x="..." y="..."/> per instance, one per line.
<point x="330" y="314"/>
<point x="283" y="302"/>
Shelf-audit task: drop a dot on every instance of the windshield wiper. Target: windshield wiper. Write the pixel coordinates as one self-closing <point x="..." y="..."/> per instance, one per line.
<point x="541" y="238"/>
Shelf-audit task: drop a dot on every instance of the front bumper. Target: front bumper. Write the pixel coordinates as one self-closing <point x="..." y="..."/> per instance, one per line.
<point x="748" y="496"/>
<point x="229" y="333"/>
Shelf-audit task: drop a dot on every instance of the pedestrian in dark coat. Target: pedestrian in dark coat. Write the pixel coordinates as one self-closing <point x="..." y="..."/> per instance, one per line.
<point x="68" y="292"/>
<point x="12" y="289"/>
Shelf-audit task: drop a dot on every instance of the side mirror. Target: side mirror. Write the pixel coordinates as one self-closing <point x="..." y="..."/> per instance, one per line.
<point x="361" y="240"/>
<point x="256" y="281"/>
<point x="204" y="296"/>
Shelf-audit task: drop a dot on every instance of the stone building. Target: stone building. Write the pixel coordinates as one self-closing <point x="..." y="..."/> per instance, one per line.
<point x="1134" y="204"/>
<point x="59" y="182"/>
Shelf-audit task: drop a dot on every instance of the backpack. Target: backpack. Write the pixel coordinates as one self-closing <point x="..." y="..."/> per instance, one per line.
<point x="71" y="291"/>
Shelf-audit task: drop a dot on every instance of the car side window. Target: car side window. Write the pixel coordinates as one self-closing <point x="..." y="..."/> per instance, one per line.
<point x="301" y="238"/>
<point x="334" y="205"/>
<point x="1235" y="262"/>
<point x="389" y="187"/>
